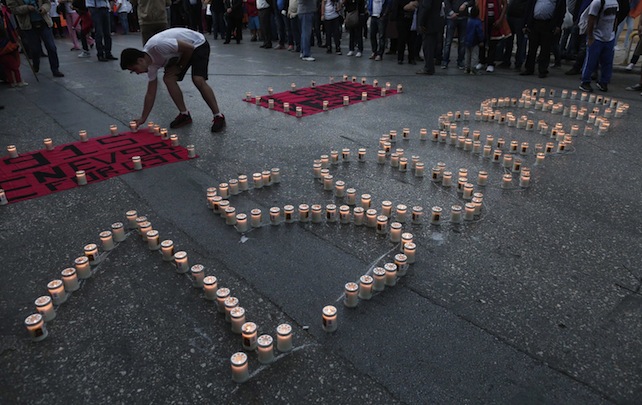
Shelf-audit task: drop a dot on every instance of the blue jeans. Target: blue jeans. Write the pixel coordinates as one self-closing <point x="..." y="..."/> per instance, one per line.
<point x="122" y="18"/>
<point x="602" y="53"/>
<point x="307" y="19"/>
<point x="453" y="24"/>
<point x="517" y="28"/>
<point x="378" y="34"/>
<point x="100" y="17"/>
<point x="45" y="34"/>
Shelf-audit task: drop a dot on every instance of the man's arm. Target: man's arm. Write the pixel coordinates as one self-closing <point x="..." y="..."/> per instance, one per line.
<point x="589" y="29"/>
<point x="150" y="98"/>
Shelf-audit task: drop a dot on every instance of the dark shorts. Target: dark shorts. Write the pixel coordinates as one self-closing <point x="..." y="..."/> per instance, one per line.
<point x="198" y="62"/>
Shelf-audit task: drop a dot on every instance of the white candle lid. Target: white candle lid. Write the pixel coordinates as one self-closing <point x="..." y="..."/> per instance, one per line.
<point x="329" y="310"/>
<point x="53" y="284"/>
<point x="249" y="327"/>
<point x="69" y="271"/>
<point x="33" y="319"/>
<point x="264" y="340"/>
<point x="366" y="279"/>
<point x="231" y="302"/>
<point x="180" y="255"/>
<point x="390" y="267"/>
<point x="238" y="359"/>
<point x="210" y="280"/>
<point x="197" y="268"/>
<point x="90" y="247"/>
<point x="167" y="243"/>
<point x="117" y="225"/>
<point x="81" y="260"/>
<point x="43" y="301"/>
<point x="223" y="292"/>
<point x="351" y="287"/>
<point x="284" y="329"/>
<point x="400" y="257"/>
<point x="237" y="312"/>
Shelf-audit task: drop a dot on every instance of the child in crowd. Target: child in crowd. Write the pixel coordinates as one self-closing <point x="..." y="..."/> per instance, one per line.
<point x="9" y="50"/>
<point x="474" y="38"/>
<point x="86" y="25"/>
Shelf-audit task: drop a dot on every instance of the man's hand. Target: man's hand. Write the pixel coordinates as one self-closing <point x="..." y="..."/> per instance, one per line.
<point x="463" y="6"/>
<point x="590" y="39"/>
<point x="139" y="122"/>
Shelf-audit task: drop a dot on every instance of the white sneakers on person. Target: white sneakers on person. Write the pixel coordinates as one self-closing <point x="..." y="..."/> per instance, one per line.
<point x="490" y="68"/>
<point x="308" y="59"/>
<point x="479" y="66"/>
<point x="357" y="55"/>
<point x="84" y="54"/>
<point x="350" y="53"/>
<point x="630" y="66"/>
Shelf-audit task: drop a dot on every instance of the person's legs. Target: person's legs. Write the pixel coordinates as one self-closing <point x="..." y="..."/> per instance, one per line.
<point x="359" y="33"/>
<point x="124" y="22"/>
<point x="520" y="52"/>
<point x="374" y="31"/>
<point x="71" y="20"/>
<point x="533" y="45"/>
<point x="546" y="39"/>
<point x="171" y="82"/>
<point x="99" y="29"/>
<point x="33" y="47"/>
<point x="606" y="61"/>
<point x="451" y="25"/>
<point x="306" y="32"/>
<point x="199" y="63"/>
<point x="383" y="25"/>
<point x="295" y="25"/>
<point x="430" y="48"/>
<point x="590" y="61"/>
<point x="461" y="35"/>
<point x="106" y="21"/>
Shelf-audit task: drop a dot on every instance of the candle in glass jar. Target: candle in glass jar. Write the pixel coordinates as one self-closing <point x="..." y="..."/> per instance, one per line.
<point x="44" y="306"/>
<point x="57" y="291"/>
<point x="70" y="279"/>
<point x="229" y="304"/>
<point x="35" y="325"/>
<point x="81" y="178"/>
<point x="91" y="252"/>
<point x="400" y="213"/>
<point x="167" y="250"/>
<point x="275" y="215"/>
<point x="406" y="237"/>
<point x="359" y="214"/>
<point x="351" y="295"/>
<point x="210" y="285"/>
<point x="250" y="335"/>
<point x="299" y="112"/>
<point x="329" y="318"/>
<point x="153" y="240"/>
<point x="113" y="129"/>
<point x="240" y="370"/>
<point x="507" y="181"/>
<point x="409" y="250"/>
<point x="107" y="240"/>
<point x="230" y="215"/>
<point x="133" y="126"/>
<point x="371" y="218"/>
<point x="265" y="349"/>
<point x="197" y="275"/>
<point x="365" y="287"/>
<point x="83" y="269"/>
<point x="304" y="213"/>
<point x="328" y="182"/>
<point x="286" y="107"/>
<point x="379" y="279"/>
<point x="391" y="274"/>
<point x="435" y="217"/>
<point x="382" y="224"/>
<point x="221" y="295"/>
<point x="317" y="213"/>
<point x="237" y="319"/>
<point x="181" y="261"/>
<point x="284" y="338"/>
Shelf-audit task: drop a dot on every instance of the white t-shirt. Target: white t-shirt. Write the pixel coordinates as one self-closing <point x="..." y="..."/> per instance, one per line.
<point x="125" y="6"/>
<point x="604" y="29"/>
<point x="164" y="46"/>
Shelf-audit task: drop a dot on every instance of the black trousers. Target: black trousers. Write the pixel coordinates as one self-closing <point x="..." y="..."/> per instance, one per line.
<point x="540" y="35"/>
<point x="265" y="19"/>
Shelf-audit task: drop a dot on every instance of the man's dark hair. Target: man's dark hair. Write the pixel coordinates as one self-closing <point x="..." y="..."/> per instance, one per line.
<point x="129" y="57"/>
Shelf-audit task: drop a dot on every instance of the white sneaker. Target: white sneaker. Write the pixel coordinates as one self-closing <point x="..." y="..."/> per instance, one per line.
<point x="616" y="48"/>
<point x="22" y="84"/>
<point x="350" y="53"/>
<point x="630" y="66"/>
<point x="84" y="54"/>
<point x="490" y="68"/>
<point x="357" y="55"/>
<point x="479" y="66"/>
<point x="308" y="59"/>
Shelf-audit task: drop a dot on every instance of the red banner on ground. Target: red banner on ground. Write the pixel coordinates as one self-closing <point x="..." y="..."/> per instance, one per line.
<point x="311" y="99"/>
<point x="43" y="172"/>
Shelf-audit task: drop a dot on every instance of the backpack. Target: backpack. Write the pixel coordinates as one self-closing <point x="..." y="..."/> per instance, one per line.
<point x="582" y="24"/>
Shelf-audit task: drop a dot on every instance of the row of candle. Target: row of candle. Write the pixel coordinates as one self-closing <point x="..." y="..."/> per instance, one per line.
<point x="60" y="289"/>
<point x="261" y="179"/>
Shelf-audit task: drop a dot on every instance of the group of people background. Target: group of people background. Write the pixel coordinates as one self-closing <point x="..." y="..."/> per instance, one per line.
<point x="514" y="33"/>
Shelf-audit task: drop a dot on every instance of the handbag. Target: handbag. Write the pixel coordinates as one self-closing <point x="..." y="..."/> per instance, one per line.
<point x="352" y="19"/>
<point x="8" y="48"/>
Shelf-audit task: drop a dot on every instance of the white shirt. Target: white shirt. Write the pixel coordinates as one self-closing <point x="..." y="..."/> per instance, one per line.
<point x="164" y="46"/>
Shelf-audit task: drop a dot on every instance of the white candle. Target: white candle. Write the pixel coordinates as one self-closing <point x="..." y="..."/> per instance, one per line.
<point x="44" y="306"/>
<point x="275" y="215"/>
<point x="107" y="240"/>
<point x="401" y="261"/>
<point x="57" y="291"/>
<point x="379" y="279"/>
<point x="286" y="107"/>
<point x="221" y="295"/>
<point x="328" y="182"/>
<point x="36" y="327"/>
<point x="237" y="319"/>
<point x="317" y="213"/>
<point x="339" y="188"/>
<point x="382" y="224"/>
<point x="391" y="274"/>
<point x="507" y="181"/>
<point x="371" y="218"/>
<point x="131" y="219"/>
<point x="329" y="318"/>
<point x="344" y="214"/>
<point x="70" y="279"/>
<point x="284" y="338"/>
<point x="83" y="269"/>
<point x="400" y="214"/>
<point x="153" y="240"/>
<point x="240" y="371"/>
<point x="197" y="275"/>
<point x="417" y="214"/>
<point x="435" y="217"/>
<point x="242" y="223"/>
<point x="365" y="287"/>
<point x="524" y="180"/>
<point x="266" y="177"/>
<point x="255" y="218"/>
<point x="91" y="251"/>
<point x="210" y="285"/>
<point x="133" y="126"/>
<point x="299" y="112"/>
<point x="304" y="213"/>
<point x="81" y="178"/>
<point x="229" y="304"/>
<point x="351" y="292"/>
<point x="288" y="214"/>
<point x="113" y="129"/>
<point x="257" y="178"/>
<point x="351" y="196"/>
<point x="181" y="261"/>
<point x="265" y="349"/>
<point x="359" y="214"/>
<point x="164" y="134"/>
<point x="406" y="237"/>
<point x="230" y="215"/>
<point x="331" y="213"/>
<point x="167" y="250"/>
<point x="409" y="249"/>
<point x="249" y="333"/>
